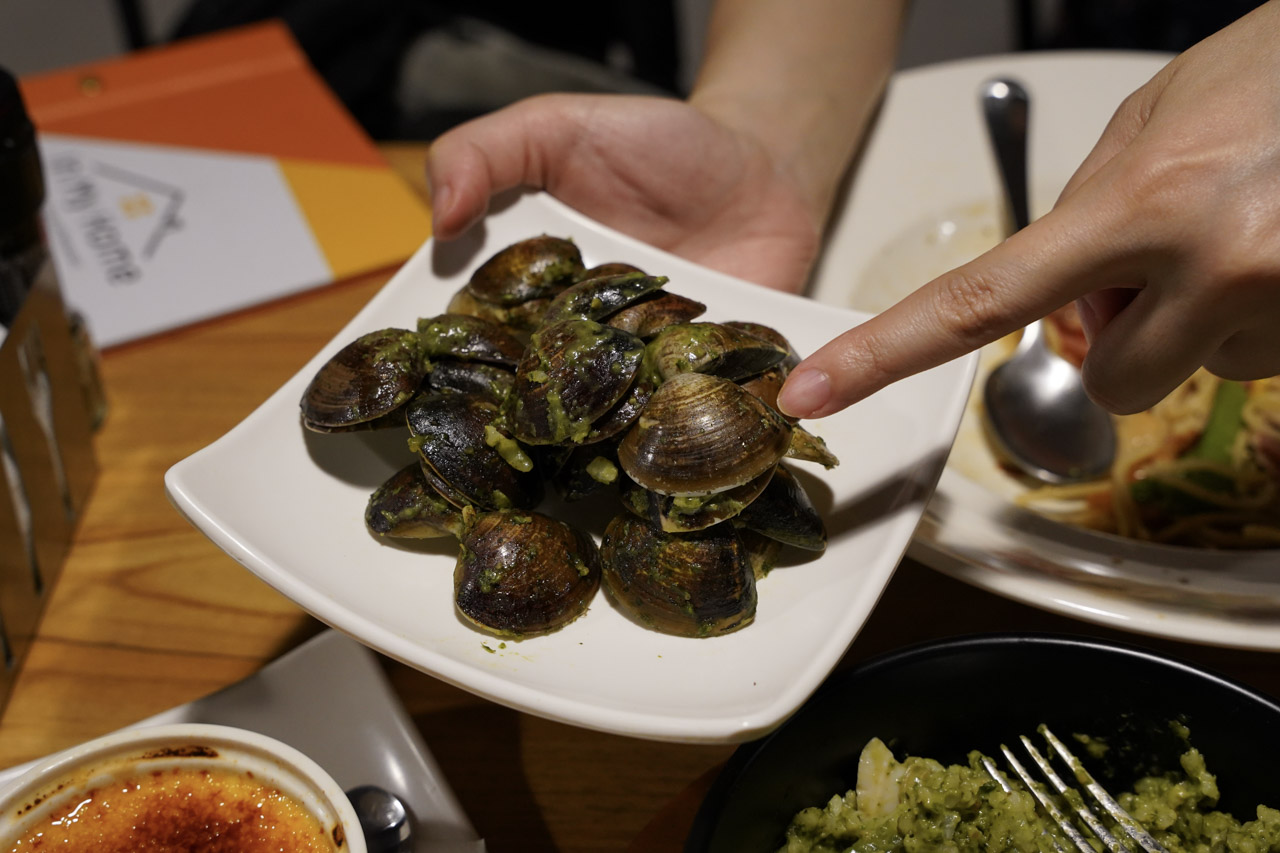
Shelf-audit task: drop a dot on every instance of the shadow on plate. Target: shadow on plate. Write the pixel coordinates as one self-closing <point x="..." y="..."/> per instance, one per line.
<point x="463" y="255"/>
<point x="365" y="458"/>
<point x="908" y="486"/>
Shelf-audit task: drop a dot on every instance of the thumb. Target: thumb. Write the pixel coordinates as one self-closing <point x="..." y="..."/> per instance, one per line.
<point x="471" y="162"/>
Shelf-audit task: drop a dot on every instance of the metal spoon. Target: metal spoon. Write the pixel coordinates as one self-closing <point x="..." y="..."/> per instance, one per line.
<point x="1037" y="413"/>
<point x="383" y="819"/>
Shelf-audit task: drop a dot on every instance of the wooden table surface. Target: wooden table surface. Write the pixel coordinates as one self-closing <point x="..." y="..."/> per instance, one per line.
<point x="149" y="614"/>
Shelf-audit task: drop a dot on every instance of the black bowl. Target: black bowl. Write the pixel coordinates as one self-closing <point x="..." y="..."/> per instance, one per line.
<point x="944" y="699"/>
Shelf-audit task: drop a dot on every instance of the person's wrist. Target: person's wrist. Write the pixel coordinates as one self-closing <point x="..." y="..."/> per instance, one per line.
<point x="750" y="119"/>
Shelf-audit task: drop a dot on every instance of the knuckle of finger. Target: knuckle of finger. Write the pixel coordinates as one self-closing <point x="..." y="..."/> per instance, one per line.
<point x="1167" y="180"/>
<point x="1246" y="265"/>
<point x="1132" y="113"/>
<point x="870" y="362"/>
<point x="1157" y="189"/>
<point x="969" y="304"/>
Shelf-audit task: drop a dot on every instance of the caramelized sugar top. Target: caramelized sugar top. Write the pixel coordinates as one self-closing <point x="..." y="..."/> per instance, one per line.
<point x="192" y="810"/>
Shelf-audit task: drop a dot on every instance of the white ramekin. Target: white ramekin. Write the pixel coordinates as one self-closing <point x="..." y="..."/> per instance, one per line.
<point x="57" y="779"/>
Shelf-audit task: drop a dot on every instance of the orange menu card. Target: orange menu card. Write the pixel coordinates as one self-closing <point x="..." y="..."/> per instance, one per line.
<point x="201" y="177"/>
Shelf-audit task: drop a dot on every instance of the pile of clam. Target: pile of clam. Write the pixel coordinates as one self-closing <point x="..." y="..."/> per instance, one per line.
<point x="593" y="381"/>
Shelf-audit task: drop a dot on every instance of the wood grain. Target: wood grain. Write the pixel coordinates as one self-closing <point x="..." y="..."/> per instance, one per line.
<point x="149" y="614"/>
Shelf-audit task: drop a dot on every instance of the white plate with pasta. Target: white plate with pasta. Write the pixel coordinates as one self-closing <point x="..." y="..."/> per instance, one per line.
<point x="924" y="200"/>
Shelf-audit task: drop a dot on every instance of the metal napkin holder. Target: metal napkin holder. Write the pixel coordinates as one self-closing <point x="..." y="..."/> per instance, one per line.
<point x="47" y="465"/>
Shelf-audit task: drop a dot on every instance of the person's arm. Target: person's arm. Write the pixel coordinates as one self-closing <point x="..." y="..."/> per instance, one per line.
<point x="739" y="178"/>
<point x="1168" y="238"/>
<point x="804" y="78"/>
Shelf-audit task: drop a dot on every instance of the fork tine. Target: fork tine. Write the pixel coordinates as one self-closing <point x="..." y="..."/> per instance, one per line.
<point x="1072" y="796"/>
<point x="1131" y="827"/>
<point x="1046" y="802"/>
<point x="994" y="773"/>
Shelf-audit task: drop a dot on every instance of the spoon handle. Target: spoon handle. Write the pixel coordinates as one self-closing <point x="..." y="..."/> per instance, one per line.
<point x="1006" y="107"/>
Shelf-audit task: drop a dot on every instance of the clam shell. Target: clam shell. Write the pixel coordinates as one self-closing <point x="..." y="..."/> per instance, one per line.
<point x="701" y="434"/>
<point x="609" y="268"/>
<point x="451" y="433"/>
<point x="692" y="584"/>
<point x="646" y="317"/>
<point x="768" y="333"/>
<point x="521" y="319"/>
<point x="767" y="385"/>
<point x="573" y="373"/>
<point x="599" y="298"/>
<point x="407" y="506"/>
<point x="465" y="336"/>
<point x="524" y="573"/>
<point x="491" y="381"/>
<point x="686" y="514"/>
<point x="784" y="512"/>
<point x="623" y="413"/>
<point x="529" y="269"/>
<point x="373" y="375"/>
<point x="710" y="348"/>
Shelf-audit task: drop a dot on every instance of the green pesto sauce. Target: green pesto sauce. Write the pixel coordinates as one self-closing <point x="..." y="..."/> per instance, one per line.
<point x="578" y="355"/>
<point x="428" y="506"/>
<point x="955" y="809"/>
<point x="720" y="503"/>
<point x="564" y="427"/>
<point x="395" y="345"/>
<point x="508" y="448"/>
<point x="602" y="470"/>
<point x="489" y="580"/>
<point x="690" y="503"/>
<point x="445" y="336"/>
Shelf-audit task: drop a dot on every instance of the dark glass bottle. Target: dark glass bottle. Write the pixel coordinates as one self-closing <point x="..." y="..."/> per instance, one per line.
<point x="22" y="246"/>
<point x="24" y="253"/>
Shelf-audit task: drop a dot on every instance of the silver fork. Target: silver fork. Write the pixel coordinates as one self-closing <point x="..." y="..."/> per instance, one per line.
<point x="1108" y="803"/>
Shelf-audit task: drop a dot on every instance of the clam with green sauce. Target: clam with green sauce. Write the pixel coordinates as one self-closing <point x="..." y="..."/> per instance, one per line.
<point x="517" y="283"/>
<point x="573" y="373"/>
<point x="367" y="380"/>
<point x="603" y="383"/>
<point x="702" y="434"/>
<point x="407" y="506"/>
<point x="466" y="457"/>
<point x="523" y="573"/>
<point x="697" y="584"/>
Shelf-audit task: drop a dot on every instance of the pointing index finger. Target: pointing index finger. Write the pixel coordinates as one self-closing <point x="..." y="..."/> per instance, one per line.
<point x="1041" y="268"/>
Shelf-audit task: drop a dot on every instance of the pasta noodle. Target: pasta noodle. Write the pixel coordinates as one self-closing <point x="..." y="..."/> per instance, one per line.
<point x="1200" y="468"/>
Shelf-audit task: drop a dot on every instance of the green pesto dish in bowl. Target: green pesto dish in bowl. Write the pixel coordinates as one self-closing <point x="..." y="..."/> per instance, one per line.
<point x="887" y="755"/>
<point x="920" y="804"/>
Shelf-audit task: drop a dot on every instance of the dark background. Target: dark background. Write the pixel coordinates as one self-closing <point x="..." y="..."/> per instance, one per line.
<point x="409" y="69"/>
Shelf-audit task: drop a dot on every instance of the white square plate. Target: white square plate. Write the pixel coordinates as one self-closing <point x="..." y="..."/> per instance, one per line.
<point x="289" y="504"/>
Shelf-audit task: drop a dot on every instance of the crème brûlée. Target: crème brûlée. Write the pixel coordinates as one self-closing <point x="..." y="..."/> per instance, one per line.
<point x="188" y="809"/>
